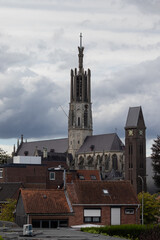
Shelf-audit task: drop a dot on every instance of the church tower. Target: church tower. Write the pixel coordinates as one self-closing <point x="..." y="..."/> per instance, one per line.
<point x="80" y="112"/>
<point x="135" y="149"/>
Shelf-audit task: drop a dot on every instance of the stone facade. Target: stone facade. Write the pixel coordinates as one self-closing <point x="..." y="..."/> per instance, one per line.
<point x="80" y="112"/>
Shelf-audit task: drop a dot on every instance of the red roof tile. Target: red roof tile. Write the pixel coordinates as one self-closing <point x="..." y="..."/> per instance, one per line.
<point x="91" y="192"/>
<point x="88" y="173"/>
<point x="44" y="201"/>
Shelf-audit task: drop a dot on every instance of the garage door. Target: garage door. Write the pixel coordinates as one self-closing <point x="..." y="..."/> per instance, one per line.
<point x="115" y="216"/>
<point x="37" y="223"/>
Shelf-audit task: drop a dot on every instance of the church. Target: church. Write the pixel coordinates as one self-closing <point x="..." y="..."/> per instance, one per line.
<point x="83" y="150"/>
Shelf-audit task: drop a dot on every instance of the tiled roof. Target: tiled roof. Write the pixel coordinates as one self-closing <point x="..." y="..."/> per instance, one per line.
<point x="91" y="192"/>
<point x="134" y="114"/>
<point x="44" y="201"/>
<point x="59" y="146"/>
<point x="9" y="190"/>
<point x="88" y="173"/>
<point x="100" y="143"/>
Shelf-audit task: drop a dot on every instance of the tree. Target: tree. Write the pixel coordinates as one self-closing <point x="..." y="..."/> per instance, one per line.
<point x="151" y="210"/>
<point x="8" y="209"/>
<point x="156" y="160"/>
<point x="3" y="156"/>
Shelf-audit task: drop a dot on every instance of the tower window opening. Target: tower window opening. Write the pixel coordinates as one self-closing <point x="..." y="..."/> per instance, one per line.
<point x="79" y="122"/>
<point x="85" y="118"/>
<point x="79" y="88"/>
<point x="85" y="89"/>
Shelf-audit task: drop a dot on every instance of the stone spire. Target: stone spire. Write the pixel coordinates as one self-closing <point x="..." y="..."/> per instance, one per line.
<point x="80" y="55"/>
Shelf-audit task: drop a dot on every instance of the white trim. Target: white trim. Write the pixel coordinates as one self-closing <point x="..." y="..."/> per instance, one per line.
<point x="92" y="212"/>
<point x="1" y="172"/>
<point x="52" y="179"/>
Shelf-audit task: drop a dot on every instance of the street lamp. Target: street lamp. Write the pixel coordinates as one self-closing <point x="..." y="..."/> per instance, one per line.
<point x="142" y="197"/>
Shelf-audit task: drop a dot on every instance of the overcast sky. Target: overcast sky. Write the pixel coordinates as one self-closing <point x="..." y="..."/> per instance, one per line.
<point x="38" y="47"/>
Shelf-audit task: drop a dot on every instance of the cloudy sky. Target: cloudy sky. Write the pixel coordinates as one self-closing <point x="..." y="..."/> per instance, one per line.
<point x="38" y="47"/>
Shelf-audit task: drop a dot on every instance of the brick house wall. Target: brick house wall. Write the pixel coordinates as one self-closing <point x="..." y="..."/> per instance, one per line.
<point x="78" y="218"/>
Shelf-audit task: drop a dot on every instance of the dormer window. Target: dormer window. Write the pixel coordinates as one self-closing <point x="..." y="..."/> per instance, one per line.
<point x="92" y="147"/>
<point x="93" y="177"/>
<point x="81" y="177"/>
<point x="105" y="191"/>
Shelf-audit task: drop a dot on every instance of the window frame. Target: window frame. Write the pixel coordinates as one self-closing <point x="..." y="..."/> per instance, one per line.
<point x="1" y="172"/>
<point x="91" y="217"/>
<point x="93" y="177"/>
<point x="132" y="211"/>
<point x="52" y="178"/>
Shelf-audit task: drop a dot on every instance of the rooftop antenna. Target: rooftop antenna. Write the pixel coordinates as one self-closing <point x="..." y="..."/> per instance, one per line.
<point x="80" y="40"/>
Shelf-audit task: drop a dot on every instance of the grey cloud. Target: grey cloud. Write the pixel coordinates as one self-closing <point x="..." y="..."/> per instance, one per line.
<point x="147" y="6"/>
<point x="9" y="58"/>
<point x="64" y="59"/>
<point x="33" y="112"/>
<point x="134" y="86"/>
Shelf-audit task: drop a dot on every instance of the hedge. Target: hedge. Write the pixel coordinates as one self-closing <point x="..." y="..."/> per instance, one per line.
<point x="126" y="231"/>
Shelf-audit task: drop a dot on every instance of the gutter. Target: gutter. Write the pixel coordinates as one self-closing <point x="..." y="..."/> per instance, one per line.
<point x="76" y="204"/>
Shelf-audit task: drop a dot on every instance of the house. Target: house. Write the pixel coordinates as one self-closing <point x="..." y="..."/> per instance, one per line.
<point x="81" y="202"/>
<point x="103" y="202"/>
<point x="44" y="208"/>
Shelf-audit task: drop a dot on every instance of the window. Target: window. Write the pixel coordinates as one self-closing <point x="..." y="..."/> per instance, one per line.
<point x="93" y="177"/>
<point x="81" y="177"/>
<point x="105" y="191"/>
<point x="52" y="175"/>
<point x="129" y="211"/>
<point x="92" y="215"/>
<point x="114" y="162"/>
<point x="1" y="172"/>
<point x="79" y="123"/>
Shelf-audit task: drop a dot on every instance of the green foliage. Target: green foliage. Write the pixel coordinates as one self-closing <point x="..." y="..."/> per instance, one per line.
<point x="151" y="234"/>
<point x="1" y="238"/>
<point x="8" y="210"/>
<point x="130" y="231"/>
<point x="156" y="160"/>
<point x="151" y="207"/>
<point x="3" y="156"/>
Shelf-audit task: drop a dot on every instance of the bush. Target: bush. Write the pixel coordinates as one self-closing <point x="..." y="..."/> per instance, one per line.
<point x="126" y="231"/>
<point x="1" y="238"/>
<point x="151" y="234"/>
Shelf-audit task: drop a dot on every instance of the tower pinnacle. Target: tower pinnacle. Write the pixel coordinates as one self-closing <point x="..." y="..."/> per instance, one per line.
<point x="80" y="40"/>
<point x="80" y="55"/>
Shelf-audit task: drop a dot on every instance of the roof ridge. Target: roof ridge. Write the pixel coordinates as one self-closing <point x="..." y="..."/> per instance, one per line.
<point x="47" y="140"/>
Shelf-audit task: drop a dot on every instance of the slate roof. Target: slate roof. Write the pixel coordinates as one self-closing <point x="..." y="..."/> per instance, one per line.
<point x="91" y="192"/>
<point x="9" y="190"/>
<point x="100" y="143"/>
<point x="41" y="201"/>
<point x="133" y="116"/>
<point x="59" y="146"/>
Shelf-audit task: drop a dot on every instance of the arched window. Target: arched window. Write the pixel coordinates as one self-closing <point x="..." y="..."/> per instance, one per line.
<point x="81" y="162"/>
<point x="85" y="118"/>
<point x="79" y="122"/>
<point x="90" y="161"/>
<point x="106" y="162"/>
<point x="114" y="162"/>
